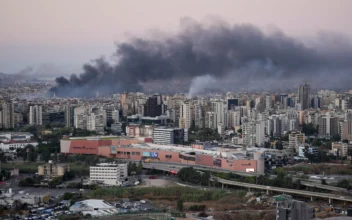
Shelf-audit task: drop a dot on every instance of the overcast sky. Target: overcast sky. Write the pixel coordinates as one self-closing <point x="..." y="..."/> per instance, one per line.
<point x="68" y="33"/>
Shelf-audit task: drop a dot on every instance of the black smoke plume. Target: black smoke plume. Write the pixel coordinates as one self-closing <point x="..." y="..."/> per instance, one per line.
<point x="243" y="53"/>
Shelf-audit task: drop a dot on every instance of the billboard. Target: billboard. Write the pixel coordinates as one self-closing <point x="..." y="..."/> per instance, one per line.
<point x="154" y="154"/>
<point x="217" y="162"/>
<point x="146" y="154"/>
<point x="112" y="149"/>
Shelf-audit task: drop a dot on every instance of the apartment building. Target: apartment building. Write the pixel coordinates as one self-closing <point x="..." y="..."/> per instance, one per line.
<point x="51" y="170"/>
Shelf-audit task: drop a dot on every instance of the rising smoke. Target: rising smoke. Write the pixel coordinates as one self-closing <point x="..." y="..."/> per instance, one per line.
<point x="242" y="53"/>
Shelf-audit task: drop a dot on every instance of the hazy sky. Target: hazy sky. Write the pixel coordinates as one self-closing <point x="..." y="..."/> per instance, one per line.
<point x="68" y="33"/>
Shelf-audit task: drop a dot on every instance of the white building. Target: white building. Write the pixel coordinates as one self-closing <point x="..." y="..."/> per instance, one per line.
<point x="221" y="129"/>
<point x="185" y="115"/>
<point x="108" y="173"/>
<point x="234" y="119"/>
<point x="6" y="147"/>
<point x="218" y="107"/>
<point x="268" y="102"/>
<point x="94" y="207"/>
<point x="210" y="120"/>
<point x="35" y="115"/>
<point x="198" y="116"/>
<point x="164" y="135"/>
<point x="115" y="116"/>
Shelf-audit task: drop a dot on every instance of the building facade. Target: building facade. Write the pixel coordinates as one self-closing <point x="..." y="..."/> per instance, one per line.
<point x="108" y="173"/>
<point x="51" y="170"/>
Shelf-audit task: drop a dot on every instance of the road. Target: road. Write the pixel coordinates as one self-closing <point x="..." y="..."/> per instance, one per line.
<point x="178" y="166"/>
<point x="288" y="191"/>
<point x="168" y="167"/>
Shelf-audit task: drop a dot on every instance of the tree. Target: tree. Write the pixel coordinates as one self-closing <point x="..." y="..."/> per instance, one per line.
<point x="45" y="155"/>
<point x="180" y="205"/>
<point x="129" y="168"/>
<point x="68" y="175"/>
<point x="336" y="138"/>
<point x="278" y="145"/>
<point x="139" y="167"/>
<point x="239" y="131"/>
<point x="309" y="129"/>
<point x="344" y="184"/>
<point x="134" y="167"/>
<point x="109" y="122"/>
<point x="267" y="144"/>
<point x="67" y="196"/>
<point x="204" y="180"/>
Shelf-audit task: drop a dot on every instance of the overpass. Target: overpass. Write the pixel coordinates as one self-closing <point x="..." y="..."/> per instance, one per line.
<point x="321" y="186"/>
<point x="310" y="194"/>
<point x="178" y="166"/>
<point x="167" y="167"/>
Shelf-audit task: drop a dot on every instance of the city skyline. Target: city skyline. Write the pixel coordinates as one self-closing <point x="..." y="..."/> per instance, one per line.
<point x="199" y="48"/>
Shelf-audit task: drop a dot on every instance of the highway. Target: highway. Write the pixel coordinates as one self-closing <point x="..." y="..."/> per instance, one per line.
<point x="178" y="166"/>
<point x="326" y="187"/>
<point x="167" y="167"/>
<point x="288" y="191"/>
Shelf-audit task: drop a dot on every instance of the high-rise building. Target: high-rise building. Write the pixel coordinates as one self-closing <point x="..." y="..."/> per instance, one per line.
<point x="268" y="102"/>
<point x="164" y="135"/>
<point x="198" y="116"/>
<point x="232" y="104"/>
<point x="69" y="115"/>
<point x="35" y="115"/>
<point x="185" y="115"/>
<point x="304" y="96"/>
<point x="8" y="115"/>
<point x="328" y="125"/>
<point x="115" y="115"/>
<point x="210" y="120"/>
<point x="218" y="107"/>
<point x="153" y="107"/>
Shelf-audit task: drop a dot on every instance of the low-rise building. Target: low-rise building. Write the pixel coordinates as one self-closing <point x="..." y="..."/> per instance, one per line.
<point x="287" y="208"/>
<point x="13" y="145"/>
<point x="108" y="173"/>
<point x="51" y="170"/>
<point x="94" y="207"/>
<point x="339" y="148"/>
<point x="296" y="139"/>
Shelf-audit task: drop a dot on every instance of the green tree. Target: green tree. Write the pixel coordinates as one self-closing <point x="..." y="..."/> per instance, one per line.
<point x="180" y="205"/>
<point x="139" y="167"/>
<point x="129" y="168"/>
<point x="344" y="184"/>
<point x="278" y="145"/>
<point x="336" y="138"/>
<point x="309" y="129"/>
<point x="45" y="155"/>
<point x="205" y="178"/>
<point x="134" y="167"/>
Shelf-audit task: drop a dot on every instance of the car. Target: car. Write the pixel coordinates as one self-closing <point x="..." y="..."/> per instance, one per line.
<point x="143" y="202"/>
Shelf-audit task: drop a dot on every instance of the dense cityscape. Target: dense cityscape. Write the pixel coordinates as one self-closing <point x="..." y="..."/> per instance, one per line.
<point x="296" y="141"/>
<point x="175" y="110"/>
